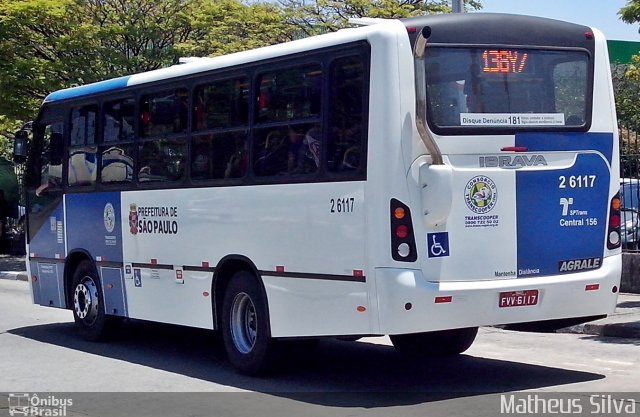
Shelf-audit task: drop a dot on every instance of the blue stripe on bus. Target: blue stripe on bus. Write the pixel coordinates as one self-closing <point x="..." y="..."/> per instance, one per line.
<point x="559" y="220"/>
<point x="85" y="90"/>
<point x="97" y="224"/>
<point x="549" y="142"/>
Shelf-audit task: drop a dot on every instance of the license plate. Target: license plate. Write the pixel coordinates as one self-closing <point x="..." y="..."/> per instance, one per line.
<point x="518" y="298"/>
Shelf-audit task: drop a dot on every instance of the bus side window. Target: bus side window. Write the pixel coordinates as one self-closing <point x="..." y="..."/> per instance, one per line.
<point x="51" y="156"/>
<point x="346" y="133"/>
<point x="289" y="103"/>
<point x="117" y="148"/>
<point x="161" y="160"/>
<point x="219" y="147"/>
<point x="164" y="113"/>
<point x="82" y="149"/>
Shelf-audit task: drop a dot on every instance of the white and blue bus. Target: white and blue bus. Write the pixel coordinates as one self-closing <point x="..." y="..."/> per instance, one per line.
<point x="415" y="178"/>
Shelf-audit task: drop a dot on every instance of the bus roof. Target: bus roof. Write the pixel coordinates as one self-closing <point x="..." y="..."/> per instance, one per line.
<point x="89" y="89"/>
<point x="238" y="58"/>
<point x="445" y="26"/>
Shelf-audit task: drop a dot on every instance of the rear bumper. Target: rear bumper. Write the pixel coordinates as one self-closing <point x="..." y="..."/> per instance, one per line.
<point x="408" y="303"/>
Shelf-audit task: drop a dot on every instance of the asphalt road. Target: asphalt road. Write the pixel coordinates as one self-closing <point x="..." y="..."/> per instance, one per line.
<point x="40" y="352"/>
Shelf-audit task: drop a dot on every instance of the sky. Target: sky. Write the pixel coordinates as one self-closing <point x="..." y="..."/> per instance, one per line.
<point x="601" y="14"/>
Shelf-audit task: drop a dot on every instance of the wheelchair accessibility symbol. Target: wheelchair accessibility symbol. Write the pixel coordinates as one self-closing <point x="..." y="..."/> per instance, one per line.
<point x="438" y="244"/>
<point x="137" y="278"/>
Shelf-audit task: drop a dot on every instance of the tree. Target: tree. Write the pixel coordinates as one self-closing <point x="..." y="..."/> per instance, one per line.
<point x="46" y="45"/>
<point x="627" y="77"/>
<point x="630" y="13"/>
<point x="318" y="16"/>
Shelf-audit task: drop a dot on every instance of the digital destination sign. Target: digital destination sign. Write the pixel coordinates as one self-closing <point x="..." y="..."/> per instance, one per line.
<point x="507" y="61"/>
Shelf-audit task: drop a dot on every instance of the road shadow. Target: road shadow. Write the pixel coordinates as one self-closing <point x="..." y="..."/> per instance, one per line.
<point x="629" y="304"/>
<point x="612" y="339"/>
<point x="337" y="373"/>
<point x="12" y="263"/>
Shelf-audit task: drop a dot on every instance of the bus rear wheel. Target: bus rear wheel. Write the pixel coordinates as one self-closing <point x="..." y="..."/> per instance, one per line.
<point x="88" y="303"/>
<point x="440" y="343"/>
<point x="245" y="325"/>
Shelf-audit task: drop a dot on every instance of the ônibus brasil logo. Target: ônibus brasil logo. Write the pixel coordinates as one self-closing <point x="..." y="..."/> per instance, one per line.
<point x="481" y="194"/>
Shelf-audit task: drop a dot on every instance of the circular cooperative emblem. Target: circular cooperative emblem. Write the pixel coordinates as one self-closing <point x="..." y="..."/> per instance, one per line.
<point x="109" y="217"/>
<point x="481" y="194"/>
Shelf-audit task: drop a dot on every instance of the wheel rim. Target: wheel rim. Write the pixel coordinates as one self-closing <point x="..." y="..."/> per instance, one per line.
<point x="244" y="324"/>
<point x="85" y="300"/>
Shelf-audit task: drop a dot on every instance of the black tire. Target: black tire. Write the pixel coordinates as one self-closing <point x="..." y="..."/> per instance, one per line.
<point x="87" y="303"/>
<point x="440" y="343"/>
<point x="246" y="332"/>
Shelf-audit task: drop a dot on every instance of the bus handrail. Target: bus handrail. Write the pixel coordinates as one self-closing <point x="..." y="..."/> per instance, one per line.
<point x="421" y="98"/>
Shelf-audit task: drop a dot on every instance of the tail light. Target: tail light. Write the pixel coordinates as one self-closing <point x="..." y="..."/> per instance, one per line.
<point x="613" y="231"/>
<point x="403" y="243"/>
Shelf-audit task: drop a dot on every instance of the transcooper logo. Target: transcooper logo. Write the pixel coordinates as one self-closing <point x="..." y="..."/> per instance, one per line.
<point x="481" y="194"/>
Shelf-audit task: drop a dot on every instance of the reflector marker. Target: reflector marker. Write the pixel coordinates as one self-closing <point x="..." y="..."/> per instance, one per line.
<point x="515" y="149"/>
<point x="443" y="299"/>
<point x="280" y="268"/>
<point x="205" y="264"/>
<point x="592" y="287"/>
<point x="358" y="273"/>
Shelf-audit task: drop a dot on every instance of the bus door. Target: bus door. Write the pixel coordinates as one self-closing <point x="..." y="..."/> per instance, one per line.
<point x="45" y="228"/>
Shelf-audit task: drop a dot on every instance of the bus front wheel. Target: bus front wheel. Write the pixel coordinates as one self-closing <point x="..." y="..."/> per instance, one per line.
<point x="88" y="303"/>
<point x="245" y="325"/>
<point x="439" y="343"/>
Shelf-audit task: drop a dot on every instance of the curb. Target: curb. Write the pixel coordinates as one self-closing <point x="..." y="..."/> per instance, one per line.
<point x="14" y="275"/>
<point x="628" y="330"/>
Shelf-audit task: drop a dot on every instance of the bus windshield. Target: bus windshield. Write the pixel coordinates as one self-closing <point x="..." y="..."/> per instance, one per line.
<point x="507" y="88"/>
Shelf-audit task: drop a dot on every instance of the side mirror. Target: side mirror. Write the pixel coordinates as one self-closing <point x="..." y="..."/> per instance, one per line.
<point x="20" y="144"/>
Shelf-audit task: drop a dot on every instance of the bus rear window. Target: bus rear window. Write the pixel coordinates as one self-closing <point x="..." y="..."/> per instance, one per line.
<point x="497" y="88"/>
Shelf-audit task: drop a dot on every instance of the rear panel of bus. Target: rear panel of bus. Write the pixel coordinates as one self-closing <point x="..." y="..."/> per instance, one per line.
<point x="525" y="123"/>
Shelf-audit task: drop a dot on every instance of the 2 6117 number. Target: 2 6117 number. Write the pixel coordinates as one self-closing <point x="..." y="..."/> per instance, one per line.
<point x="576" y="181"/>
<point x="342" y="205"/>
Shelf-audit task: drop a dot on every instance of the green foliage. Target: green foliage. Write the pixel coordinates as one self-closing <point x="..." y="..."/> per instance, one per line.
<point x="627" y="92"/>
<point x="320" y="16"/>
<point x="47" y="45"/>
<point x="8" y="127"/>
<point x="630" y="13"/>
<point x="227" y="26"/>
